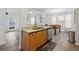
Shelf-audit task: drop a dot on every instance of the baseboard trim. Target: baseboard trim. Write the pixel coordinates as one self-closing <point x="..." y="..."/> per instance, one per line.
<point x="11" y="31"/>
<point x="77" y="44"/>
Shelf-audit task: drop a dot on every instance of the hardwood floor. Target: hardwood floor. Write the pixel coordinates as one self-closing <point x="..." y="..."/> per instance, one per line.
<point x="62" y="43"/>
<point x="12" y="42"/>
<point x="61" y="39"/>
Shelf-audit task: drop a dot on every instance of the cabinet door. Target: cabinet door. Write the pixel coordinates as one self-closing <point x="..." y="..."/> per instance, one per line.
<point x="32" y="41"/>
<point x="39" y="38"/>
<point x="44" y="36"/>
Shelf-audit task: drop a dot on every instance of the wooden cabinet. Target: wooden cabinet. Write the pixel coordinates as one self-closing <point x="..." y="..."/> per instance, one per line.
<point x="31" y="41"/>
<point x="24" y="41"/>
<point x="45" y="36"/>
<point x="41" y="37"/>
<point x="38" y="37"/>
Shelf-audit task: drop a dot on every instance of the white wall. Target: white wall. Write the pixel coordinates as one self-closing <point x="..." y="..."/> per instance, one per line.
<point x="73" y="21"/>
<point x="77" y="26"/>
<point x="4" y="21"/>
<point x="2" y="26"/>
<point x="23" y="17"/>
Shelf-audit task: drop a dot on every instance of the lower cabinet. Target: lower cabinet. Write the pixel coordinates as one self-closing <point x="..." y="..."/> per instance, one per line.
<point x="41" y="37"/>
<point x="38" y="41"/>
<point x="32" y="41"/>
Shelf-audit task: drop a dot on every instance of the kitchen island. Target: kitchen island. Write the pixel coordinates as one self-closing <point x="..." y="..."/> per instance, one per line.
<point x="31" y="39"/>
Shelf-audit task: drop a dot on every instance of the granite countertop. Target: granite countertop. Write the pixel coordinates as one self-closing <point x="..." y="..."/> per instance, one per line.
<point x="30" y="30"/>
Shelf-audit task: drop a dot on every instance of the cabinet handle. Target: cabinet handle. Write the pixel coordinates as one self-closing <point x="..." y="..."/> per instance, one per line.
<point x="32" y="34"/>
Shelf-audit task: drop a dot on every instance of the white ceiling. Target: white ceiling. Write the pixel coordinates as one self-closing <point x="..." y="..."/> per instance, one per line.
<point x="54" y="10"/>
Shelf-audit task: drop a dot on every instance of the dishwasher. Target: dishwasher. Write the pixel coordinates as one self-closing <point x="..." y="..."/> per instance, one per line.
<point x="50" y="34"/>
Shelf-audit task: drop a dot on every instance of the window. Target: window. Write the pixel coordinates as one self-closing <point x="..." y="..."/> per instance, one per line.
<point x="68" y="21"/>
<point x="32" y="20"/>
<point x="54" y="21"/>
<point x="61" y="20"/>
<point x="11" y="23"/>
